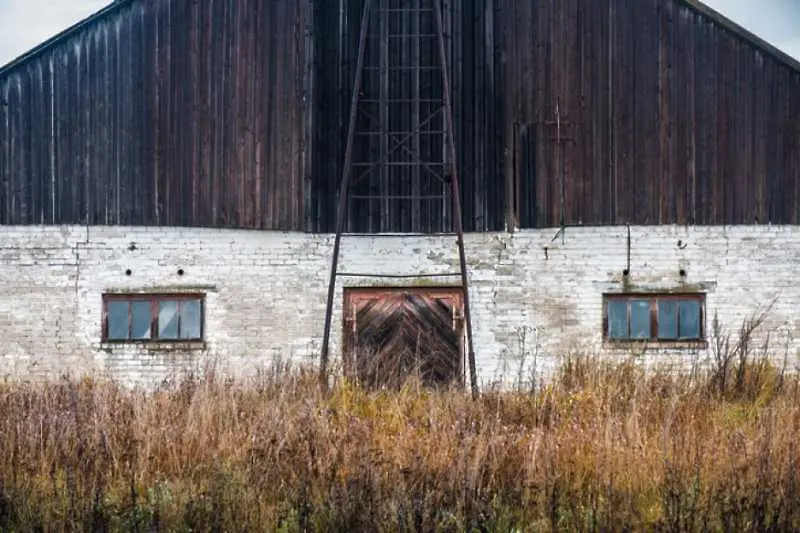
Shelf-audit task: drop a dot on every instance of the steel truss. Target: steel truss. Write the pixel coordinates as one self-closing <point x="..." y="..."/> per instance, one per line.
<point x="401" y="117"/>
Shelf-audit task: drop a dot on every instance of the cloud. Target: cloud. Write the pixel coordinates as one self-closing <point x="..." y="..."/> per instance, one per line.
<point x="27" y="23"/>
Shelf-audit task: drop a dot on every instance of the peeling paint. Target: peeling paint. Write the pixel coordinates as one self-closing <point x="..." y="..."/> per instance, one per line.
<point x="267" y="298"/>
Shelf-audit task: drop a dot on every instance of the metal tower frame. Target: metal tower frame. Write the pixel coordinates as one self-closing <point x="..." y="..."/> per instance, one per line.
<point x="448" y="159"/>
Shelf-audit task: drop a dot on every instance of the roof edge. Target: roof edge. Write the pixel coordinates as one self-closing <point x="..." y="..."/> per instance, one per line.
<point x="744" y="33"/>
<point x="112" y="7"/>
<point x="696" y="5"/>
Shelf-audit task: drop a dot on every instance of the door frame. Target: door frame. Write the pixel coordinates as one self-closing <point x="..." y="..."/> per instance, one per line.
<point x="354" y="296"/>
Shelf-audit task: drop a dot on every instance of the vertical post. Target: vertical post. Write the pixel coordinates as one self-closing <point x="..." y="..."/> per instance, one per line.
<point x="628" y="264"/>
<point x="448" y="116"/>
<point x="416" y="187"/>
<point x="560" y="144"/>
<point x="513" y="183"/>
<point x="560" y="141"/>
<point x="343" y="191"/>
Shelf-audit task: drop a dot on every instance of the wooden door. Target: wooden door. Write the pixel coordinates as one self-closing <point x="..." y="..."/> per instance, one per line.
<point x="391" y="334"/>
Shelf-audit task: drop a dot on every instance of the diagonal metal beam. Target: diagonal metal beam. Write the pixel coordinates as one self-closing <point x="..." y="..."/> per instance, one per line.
<point x="403" y="145"/>
<point x="401" y="142"/>
<point x="341" y="210"/>
<point x="448" y="111"/>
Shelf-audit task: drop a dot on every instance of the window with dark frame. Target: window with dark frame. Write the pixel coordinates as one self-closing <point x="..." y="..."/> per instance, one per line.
<point x="153" y="317"/>
<point x="654" y="317"/>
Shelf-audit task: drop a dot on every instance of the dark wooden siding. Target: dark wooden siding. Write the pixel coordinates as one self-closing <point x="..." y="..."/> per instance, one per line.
<point x="476" y="79"/>
<point x="181" y="112"/>
<point x="671" y="117"/>
<point x="201" y="112"/>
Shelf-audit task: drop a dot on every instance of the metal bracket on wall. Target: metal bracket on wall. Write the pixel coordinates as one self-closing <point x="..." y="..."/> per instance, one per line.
<point x="559" y="123"/>
<point x="560" y="140"/>
<point x="384" y="130"/>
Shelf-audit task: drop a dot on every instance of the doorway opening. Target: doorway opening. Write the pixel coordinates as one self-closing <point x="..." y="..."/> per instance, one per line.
<point x="392" y="334"/>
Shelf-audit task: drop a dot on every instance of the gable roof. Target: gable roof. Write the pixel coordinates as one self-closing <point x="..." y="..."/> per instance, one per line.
<point x="742" y="33"/>
<point x="52" y="42"/>
<point x="696" y="5"/>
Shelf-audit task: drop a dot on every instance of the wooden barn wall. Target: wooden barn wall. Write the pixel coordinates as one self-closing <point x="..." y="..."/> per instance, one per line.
<point x="476" y="79"/>
<point x="161" y="112"/>
<point x="667" y="117"/>
<point x="190" y="112"/>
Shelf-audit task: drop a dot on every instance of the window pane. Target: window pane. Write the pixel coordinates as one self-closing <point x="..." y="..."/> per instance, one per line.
<point x="667" y="319"/>
<point x="617" y="319"/>
<point x="190" y="319"/>
<point x="640" y="319"/>
<point x="140" y="320"/>
<point x="117" y="320"/>
<point x="690" y="319"/>
<point x="168" y="319"/>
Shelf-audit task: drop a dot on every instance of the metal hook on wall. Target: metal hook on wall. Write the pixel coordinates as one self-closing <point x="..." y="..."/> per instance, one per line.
<point x="628" y="265"/>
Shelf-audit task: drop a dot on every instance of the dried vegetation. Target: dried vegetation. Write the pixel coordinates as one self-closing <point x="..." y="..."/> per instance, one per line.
<point x="604" y="446"/>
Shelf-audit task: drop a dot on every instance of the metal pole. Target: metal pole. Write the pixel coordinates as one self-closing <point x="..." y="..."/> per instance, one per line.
<point x="456" y="192"/>
<point x="343" y="190"/>
<point x="628" y="265"/>
<point x="560" y="144"/>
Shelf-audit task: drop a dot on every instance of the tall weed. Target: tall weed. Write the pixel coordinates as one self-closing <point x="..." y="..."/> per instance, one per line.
<point x="604" y="446"/>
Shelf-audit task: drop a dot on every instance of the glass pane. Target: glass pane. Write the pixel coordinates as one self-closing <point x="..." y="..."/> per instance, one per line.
<point x="640" y="319"/>
<point x="190" y="319"/>
<point x="117" y="320"/>
<point x="140" y="320"/>
<point x="690" y="319"/>
<point x="618" y="319"/>
<point x="168" y="319"/>
<point x="667" y="319"/>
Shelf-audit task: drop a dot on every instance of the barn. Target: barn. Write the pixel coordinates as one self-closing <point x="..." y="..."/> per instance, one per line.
<point x="469" y="188"/>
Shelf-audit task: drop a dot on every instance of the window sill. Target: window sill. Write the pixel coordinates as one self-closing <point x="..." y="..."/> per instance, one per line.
<point x="656" y="344"/>
<point x="155" y="346"/>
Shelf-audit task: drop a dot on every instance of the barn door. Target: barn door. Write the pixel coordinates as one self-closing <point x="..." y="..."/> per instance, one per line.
<point x="391" y="334"/>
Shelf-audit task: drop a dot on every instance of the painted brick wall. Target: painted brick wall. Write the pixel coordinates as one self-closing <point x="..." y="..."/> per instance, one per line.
<point x="266" y="290"/>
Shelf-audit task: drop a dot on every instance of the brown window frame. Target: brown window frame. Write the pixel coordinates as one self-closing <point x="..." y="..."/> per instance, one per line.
<point x="653" y="299"/>
<point x="154" y="299"/>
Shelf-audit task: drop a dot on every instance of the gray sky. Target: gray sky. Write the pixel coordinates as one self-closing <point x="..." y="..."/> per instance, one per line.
<point x="26" y="23"/>
<point x="775" y="21"/>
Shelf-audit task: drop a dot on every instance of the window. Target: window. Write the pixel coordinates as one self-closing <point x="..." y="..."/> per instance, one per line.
<point x="653" y="317"/>
<point x="149" y="318"/>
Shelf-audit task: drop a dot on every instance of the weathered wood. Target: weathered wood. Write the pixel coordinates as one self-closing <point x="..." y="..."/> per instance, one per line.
<point x="392" y="334"/>
<point x="679" y="116"/>
<point x="159" y="112"/>
<point x="187" y="112"/>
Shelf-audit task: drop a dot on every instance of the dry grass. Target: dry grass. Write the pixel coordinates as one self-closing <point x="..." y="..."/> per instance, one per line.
<point x="604" y="447"/>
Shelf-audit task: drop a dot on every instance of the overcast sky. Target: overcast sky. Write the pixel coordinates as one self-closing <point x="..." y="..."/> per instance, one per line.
<point x="26" y="23"/>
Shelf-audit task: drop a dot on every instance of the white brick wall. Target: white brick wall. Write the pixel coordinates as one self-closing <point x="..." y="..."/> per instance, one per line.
<point x="266" y="290"/>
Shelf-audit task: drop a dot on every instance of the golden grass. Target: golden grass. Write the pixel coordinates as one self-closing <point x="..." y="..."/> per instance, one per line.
<point x="603" y="447"/>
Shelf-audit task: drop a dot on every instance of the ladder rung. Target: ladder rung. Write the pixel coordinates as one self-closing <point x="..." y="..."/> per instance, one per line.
<point x="404" y="10"/>
<point x="400" y="35"/>
<point x="395" y="197"/>
<point x="400" y="100"/>
<point x="409" y="234"/>
<point x="398" y="276"/>
<point x="396" y="133"/>
<point x="399" y="68"/>
<point x="400" y="164"/>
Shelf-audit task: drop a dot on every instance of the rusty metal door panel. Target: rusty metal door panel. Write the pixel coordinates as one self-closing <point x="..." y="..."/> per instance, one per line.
<point x="391" y="334"/>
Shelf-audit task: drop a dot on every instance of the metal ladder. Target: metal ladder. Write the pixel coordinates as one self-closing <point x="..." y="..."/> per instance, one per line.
<point x="390" y="132"/>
